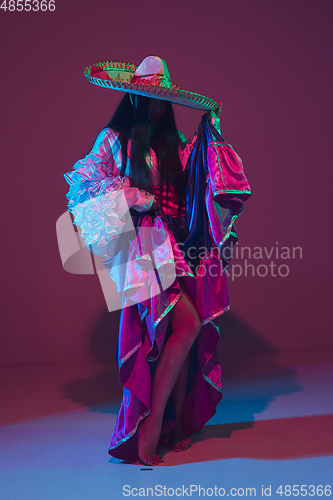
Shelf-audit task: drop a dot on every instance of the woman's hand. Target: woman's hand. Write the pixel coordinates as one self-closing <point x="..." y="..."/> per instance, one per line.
<point x="216" y="112"/>
<point x="131" y="195"/>
<point x="136" y="198"/>
<point x="154" y="206"/>
<point x="213" y="117"/>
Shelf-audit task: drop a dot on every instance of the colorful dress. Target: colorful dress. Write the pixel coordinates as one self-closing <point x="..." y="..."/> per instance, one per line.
<point x="147" y="252"/>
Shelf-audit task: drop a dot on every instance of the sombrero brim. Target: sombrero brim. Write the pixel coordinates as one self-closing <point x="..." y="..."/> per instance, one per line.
<point x="117" y="75"/>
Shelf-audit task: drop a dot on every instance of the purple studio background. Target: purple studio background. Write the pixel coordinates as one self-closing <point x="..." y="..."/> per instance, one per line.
<point x="270" y="63"/>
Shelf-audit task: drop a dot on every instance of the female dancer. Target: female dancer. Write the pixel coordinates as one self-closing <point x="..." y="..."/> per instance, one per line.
<point x="136" y="176"/>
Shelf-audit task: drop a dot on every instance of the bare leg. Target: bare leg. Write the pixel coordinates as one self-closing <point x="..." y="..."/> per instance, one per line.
<point x="177" y="438"/>
<point x="179" y="389"/>
<point x="186" y="327"/>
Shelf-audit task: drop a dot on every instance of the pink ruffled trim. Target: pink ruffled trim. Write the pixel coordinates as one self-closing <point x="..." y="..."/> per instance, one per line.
<point x="226" y="170"/>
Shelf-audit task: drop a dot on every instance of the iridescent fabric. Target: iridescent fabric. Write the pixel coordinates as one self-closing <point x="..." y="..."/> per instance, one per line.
<point x="146" y="257"/>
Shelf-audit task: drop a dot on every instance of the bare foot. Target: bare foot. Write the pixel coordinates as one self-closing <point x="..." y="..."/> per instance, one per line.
<point x="178" y="439"/>
<point x="149" y="435"/>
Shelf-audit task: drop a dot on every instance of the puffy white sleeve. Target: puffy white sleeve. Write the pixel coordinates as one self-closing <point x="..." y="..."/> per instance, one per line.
<point x="96" y="197"/>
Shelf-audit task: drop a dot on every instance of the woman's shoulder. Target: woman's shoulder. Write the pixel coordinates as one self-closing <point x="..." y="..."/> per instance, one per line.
<point x="107" y="141"/>
<point x="185" y="144"/>
<point x="185" y="148"/>
<point x="109" y="134"/>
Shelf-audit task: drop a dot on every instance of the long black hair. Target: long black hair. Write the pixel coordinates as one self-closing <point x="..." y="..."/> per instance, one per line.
<point x="132" y="121"/>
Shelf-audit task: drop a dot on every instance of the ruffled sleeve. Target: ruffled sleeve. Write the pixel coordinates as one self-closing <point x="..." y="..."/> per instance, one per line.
<point x="96" y="197"/>
<point x="227" y="190"/>
<point x="215" y="169"/>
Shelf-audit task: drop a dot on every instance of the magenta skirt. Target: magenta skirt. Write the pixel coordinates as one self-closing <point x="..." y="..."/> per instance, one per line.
<point x="145" y="327"/>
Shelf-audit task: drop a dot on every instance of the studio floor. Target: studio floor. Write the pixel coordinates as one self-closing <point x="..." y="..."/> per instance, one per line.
<point x="272" y="434"/>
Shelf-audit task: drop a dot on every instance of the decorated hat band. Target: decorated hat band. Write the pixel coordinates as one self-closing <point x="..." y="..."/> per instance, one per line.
<point x="150" y="79"/>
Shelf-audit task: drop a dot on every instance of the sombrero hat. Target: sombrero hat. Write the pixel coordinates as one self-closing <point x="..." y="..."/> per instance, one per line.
<point x="151" y="79"/>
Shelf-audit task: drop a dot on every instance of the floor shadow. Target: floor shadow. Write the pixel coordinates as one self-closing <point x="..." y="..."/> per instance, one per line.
<point x="240" y="350"/>
<point x="252" y="372"/>
<point x="279" y="439"/>
<point x="102" y="392"/>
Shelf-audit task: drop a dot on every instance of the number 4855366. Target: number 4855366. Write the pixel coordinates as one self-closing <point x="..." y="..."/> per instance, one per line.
<point x="27" y="5"/>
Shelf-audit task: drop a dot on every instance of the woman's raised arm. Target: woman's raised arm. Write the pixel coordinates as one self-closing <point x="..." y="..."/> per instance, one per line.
<point x="99" y="197"/>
